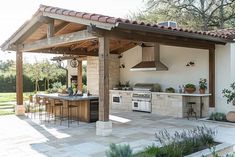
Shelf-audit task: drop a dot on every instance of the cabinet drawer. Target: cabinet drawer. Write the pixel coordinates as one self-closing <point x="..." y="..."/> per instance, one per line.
<point x="175" y="97"/>
<point x="158" y="96"/>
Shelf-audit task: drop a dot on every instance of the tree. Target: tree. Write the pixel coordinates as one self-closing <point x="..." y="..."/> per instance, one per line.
<point x="34" y="72"/>
<point x="197" y="14"/>
<point x="6" y="66"/>
<point x="50" y="72"/>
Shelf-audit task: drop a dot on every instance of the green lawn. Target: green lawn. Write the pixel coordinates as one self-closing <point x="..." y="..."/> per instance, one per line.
<point x="9" y="97"/>
<point x="5" y="106"/>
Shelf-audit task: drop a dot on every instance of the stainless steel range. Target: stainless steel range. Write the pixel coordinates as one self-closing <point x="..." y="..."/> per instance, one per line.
<point x="141" y="97"/>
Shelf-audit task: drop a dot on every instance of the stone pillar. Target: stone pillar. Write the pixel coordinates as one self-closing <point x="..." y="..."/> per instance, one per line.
<point x="19" y="109"/>
<point x="103" y="126"/>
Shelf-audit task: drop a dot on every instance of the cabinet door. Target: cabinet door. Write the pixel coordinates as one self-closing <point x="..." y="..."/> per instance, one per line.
<point x="158" y="103"/>
<point x="174" y="105"/>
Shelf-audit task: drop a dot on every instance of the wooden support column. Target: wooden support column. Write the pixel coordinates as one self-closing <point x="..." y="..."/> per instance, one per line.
<point x="19" y="78"/>
<point x="103" y="79"/>
<point x="212" y="77"/>
<point x="19" y="108"/>
<point x="79" y="74"/>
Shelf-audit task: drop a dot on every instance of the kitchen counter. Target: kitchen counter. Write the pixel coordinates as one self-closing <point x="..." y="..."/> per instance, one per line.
<point x="88" y="106"/>
<point x="179" y="94"/>
<point x="184" y="94"/>
<point x="70" y="98"/>
<point x="166" y="104"/>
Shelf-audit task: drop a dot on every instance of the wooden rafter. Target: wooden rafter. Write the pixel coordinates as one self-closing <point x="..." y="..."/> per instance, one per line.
<point x="24" y="32"/>
<point x="58" y="40"/>
<point x="58" y="28"/>
<point x="78" y="45"/>
<point x="82" y="21"/>
<point x="93" y="45"/>
<point x="123" y="48"/>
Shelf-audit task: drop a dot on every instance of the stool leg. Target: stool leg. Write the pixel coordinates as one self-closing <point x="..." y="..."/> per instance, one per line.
<point x="62" y="116"/>
<point x="195" y="115"/>
<point x="68" y="116"/>
<point x="78" y="115"/>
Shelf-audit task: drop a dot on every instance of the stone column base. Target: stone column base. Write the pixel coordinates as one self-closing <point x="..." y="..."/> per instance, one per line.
<point x="103" y="128"/>
<point x="19" y="110"/>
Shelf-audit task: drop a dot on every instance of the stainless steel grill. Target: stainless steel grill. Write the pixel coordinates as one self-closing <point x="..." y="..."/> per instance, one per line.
<point x="141" y="97"/>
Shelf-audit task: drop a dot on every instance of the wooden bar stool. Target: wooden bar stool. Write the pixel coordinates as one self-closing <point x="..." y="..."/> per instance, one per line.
<point x="30" y="106"/>
<point x="39" y="105"/>
<point x="48" y="109"/>
<point x="191" y="111"/>
<point x="55" y="104"/>
<point x="69" y="108"/>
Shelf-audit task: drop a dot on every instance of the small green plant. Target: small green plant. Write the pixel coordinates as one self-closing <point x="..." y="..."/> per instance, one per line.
<point x="119" y="151"/>
<point x="230" y="94"/>
<point x="189" y="85"/>
<point x="127" y="84"/>
<point x="170" y="90"/>
<point x="202" y="84"/>
<point x="217" y="116"/>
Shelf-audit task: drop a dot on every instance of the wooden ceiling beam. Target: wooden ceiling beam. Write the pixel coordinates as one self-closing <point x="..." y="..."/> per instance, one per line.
<point x="67" y="51"/>
<point x="57" y="41"/>
<point x="147" y="37"/>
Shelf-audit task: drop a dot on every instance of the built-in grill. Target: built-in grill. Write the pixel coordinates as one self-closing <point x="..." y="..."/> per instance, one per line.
<point x="141" y="97"/>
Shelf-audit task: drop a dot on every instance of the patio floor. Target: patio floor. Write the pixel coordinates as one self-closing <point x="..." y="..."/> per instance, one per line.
<point x="22" y="136"/>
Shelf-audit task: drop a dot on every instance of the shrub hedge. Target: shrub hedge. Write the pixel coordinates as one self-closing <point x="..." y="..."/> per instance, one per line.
<point x="8" y="83"/>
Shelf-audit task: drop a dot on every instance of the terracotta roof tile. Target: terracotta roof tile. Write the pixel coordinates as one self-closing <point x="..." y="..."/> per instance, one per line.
<point x="112" y="20"/>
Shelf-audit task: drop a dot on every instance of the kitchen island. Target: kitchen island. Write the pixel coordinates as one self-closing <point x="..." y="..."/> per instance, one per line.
<point x="88" y="106"/>
<point x="165" y="104"/>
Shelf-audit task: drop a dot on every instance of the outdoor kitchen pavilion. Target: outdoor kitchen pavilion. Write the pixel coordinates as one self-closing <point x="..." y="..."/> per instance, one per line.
<point x="59" y="31"/>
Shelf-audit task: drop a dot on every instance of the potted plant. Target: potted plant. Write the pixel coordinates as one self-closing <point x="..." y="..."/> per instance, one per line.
<point x="230" y="95"/>
<point x="202" y="86"/>
<point x="190" y="88"/>
<point x="170" y="90"/>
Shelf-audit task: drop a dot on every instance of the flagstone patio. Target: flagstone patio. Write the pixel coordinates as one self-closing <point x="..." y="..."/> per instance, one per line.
<point x="22" y="136"/>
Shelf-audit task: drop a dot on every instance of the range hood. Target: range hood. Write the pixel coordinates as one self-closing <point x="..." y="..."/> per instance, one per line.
<point x="150" y="59"/>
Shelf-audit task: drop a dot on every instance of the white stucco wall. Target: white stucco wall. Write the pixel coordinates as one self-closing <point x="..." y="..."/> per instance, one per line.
<point x="225" y="74"/>
<point x="175" y="58"/>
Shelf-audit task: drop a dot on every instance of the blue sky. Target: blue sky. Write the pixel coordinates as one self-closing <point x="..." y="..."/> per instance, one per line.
<point x="13" y="13"/>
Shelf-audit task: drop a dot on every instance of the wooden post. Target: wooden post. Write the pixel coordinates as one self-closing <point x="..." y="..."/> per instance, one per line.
<point x="19" y="110"/>
<point x="79" y="74"/>
<point x="212" y="77"/>
<point x="103" y="79"/>
<point x="50" y="29"/>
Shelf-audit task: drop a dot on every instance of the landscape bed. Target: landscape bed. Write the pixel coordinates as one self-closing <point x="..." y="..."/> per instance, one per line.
<point x="196" y="142"/>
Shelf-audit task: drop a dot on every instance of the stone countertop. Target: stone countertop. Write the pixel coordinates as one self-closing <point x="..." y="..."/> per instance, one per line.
<point x="69" y="98"/>
<point x="164" y="93"/>
<point x="184" y="94"/>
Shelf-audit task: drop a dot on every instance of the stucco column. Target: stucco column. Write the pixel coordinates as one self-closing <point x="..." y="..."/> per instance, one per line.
<point x="19" y="109"/>
<point x="103" y="126"/>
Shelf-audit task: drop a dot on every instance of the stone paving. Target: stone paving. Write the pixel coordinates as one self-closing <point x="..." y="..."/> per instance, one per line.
<point x="25" y="137"/>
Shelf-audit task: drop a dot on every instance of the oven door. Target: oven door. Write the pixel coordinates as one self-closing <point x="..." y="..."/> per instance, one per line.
<point x="148" y="106"/>
<point x="135" y="105"/>
<point x="116" y="99"/>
